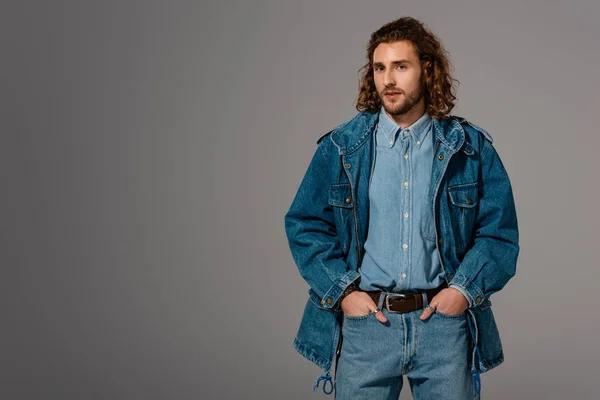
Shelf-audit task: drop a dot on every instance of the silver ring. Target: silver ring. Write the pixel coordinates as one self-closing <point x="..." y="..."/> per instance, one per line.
<point x="376" y="310"/>
<point x="430" y="307"/>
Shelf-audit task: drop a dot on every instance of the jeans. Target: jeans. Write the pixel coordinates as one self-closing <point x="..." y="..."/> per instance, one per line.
<point x="374" y="356"/>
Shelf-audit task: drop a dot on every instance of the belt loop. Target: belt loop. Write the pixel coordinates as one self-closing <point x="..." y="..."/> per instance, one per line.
<point x="381" y="299"/>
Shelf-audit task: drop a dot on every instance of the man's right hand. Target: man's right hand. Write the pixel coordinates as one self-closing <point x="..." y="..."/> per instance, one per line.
<point x="358" y="303"/>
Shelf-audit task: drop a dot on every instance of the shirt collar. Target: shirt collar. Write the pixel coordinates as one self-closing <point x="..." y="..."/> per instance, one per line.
<point x="418" y="130"/>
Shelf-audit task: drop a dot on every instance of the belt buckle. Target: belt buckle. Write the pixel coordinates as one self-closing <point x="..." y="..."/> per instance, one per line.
<point x="394" y="296"/>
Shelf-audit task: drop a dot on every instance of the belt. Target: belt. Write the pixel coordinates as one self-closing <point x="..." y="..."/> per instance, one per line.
<point x="404" y="302"/>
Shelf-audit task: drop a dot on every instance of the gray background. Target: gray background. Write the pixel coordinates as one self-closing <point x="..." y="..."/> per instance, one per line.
<point x="150" y="150"/>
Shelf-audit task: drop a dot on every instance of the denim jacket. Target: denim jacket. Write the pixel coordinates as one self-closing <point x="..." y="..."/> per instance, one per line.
<point x="475" y="225"/>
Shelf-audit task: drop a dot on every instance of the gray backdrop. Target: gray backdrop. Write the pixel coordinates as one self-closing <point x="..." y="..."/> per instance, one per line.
<point x="150" y="150"/>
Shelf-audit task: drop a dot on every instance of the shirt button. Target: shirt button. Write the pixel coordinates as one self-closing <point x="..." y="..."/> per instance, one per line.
<point x="406" y="132"/>
<point x="405" y="215"/>
<point x="418" y="142"/>
<point x="403" y="275"/>
<point x="404" y="246"/>
<point x="391" y="142"/>
<point x="405" y="156"/>
<point x="405" y="183"/>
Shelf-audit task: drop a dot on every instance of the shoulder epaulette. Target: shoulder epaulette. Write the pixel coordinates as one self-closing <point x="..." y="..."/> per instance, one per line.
<point x="477" y="128"/>
<point x="323" y="137"/>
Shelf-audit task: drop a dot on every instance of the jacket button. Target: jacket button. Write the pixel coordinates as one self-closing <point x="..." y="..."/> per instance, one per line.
<point x="328" y="301"/>
<point x="441" y="157"/>
<point x="479" y="299"/>
<point x="347" y="165"/>
<point x="469" y="201"/>
<point x="440" y="240"/>
<point x="348" y="201"/>
<point x="321" y="302"/>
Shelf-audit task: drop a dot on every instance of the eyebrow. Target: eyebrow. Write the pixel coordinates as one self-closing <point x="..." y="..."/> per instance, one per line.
<point x="396" y="62"/>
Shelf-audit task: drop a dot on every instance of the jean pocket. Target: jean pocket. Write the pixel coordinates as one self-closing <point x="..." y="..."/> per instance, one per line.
<point x="455" y="316"/>
<point x="356" y="317"/>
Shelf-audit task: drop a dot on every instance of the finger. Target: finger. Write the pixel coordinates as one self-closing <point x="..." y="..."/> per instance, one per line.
<point x="427" y="312"/>
<point x="381" y="317"/>
<point x="378" y="314"/>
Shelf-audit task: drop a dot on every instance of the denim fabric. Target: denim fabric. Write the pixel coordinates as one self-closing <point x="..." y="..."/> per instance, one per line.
<point x="475" y="223"/>
<point x="432" y="354"/>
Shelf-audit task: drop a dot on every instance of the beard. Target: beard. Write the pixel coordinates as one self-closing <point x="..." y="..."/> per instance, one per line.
<point x="401" y="107"/>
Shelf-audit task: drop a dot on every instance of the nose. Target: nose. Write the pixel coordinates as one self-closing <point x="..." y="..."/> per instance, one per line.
<point x="388" y="78"/>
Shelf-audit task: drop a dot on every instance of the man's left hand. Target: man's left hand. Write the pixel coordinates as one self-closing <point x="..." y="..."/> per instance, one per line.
<point x="449" y="301"/>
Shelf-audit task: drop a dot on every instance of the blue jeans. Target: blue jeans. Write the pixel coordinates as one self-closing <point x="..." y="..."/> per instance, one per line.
<point x="374" y="356"/>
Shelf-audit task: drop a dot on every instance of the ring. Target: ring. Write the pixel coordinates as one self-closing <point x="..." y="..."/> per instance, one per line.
<point x="430" y="307"/>
<point x="376" y="310"/>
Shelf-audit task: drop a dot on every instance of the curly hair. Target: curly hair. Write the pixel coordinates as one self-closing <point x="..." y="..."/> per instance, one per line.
<point x="438" y="83"/>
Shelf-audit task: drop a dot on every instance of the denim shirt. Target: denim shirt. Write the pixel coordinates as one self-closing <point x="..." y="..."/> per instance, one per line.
<point x="400" y="252"/>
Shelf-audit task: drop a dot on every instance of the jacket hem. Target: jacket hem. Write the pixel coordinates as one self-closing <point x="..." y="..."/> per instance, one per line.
<point x="487" y="365"/>
<point x="310" y="355"/>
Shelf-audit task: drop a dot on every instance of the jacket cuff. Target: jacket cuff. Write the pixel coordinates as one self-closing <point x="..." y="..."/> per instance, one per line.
<point x="331" y="298"/>
<point x="475" y="294"/>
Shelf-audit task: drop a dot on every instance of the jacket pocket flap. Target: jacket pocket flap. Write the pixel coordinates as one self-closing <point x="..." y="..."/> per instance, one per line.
<point x="340" y="195"/>
<point x="464" y="195"/>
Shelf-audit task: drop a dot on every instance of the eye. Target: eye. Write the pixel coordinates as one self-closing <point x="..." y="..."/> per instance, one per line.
<point x="402" y="66"/>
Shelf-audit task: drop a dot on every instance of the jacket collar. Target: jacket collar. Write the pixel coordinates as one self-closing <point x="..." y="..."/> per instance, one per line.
<point x="354" y="133"/>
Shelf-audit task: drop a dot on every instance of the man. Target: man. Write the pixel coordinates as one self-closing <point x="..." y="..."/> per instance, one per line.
<point x="403" y="226"/>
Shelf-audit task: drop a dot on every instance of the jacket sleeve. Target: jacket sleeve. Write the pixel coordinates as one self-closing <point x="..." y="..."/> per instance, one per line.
<point x="491" y="261"/>
<point x="312" y="236"/>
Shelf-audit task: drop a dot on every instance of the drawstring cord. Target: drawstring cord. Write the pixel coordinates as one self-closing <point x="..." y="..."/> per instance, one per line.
<point x="326" y="378"/>
<point x="474" y="372"/>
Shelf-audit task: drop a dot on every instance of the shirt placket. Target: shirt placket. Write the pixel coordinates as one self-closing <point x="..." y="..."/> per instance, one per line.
<point x="406" y="216"/>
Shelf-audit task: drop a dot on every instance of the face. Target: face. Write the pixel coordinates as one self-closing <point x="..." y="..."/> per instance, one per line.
<point x="398" y="77"/>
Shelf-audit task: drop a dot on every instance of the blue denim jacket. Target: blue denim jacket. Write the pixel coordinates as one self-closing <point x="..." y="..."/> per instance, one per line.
<point x="475" y="226"/>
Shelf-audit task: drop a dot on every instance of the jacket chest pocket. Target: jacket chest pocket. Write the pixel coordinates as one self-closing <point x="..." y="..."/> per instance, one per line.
<point x="464" y="198"/>
<point x="340" y="200"/>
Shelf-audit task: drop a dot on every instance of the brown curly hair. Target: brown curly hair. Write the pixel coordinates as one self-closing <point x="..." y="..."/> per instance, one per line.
<point x="439" y="89"/>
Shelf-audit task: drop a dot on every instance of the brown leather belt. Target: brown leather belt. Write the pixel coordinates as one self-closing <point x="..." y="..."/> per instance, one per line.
<point x="404" y="302"/>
